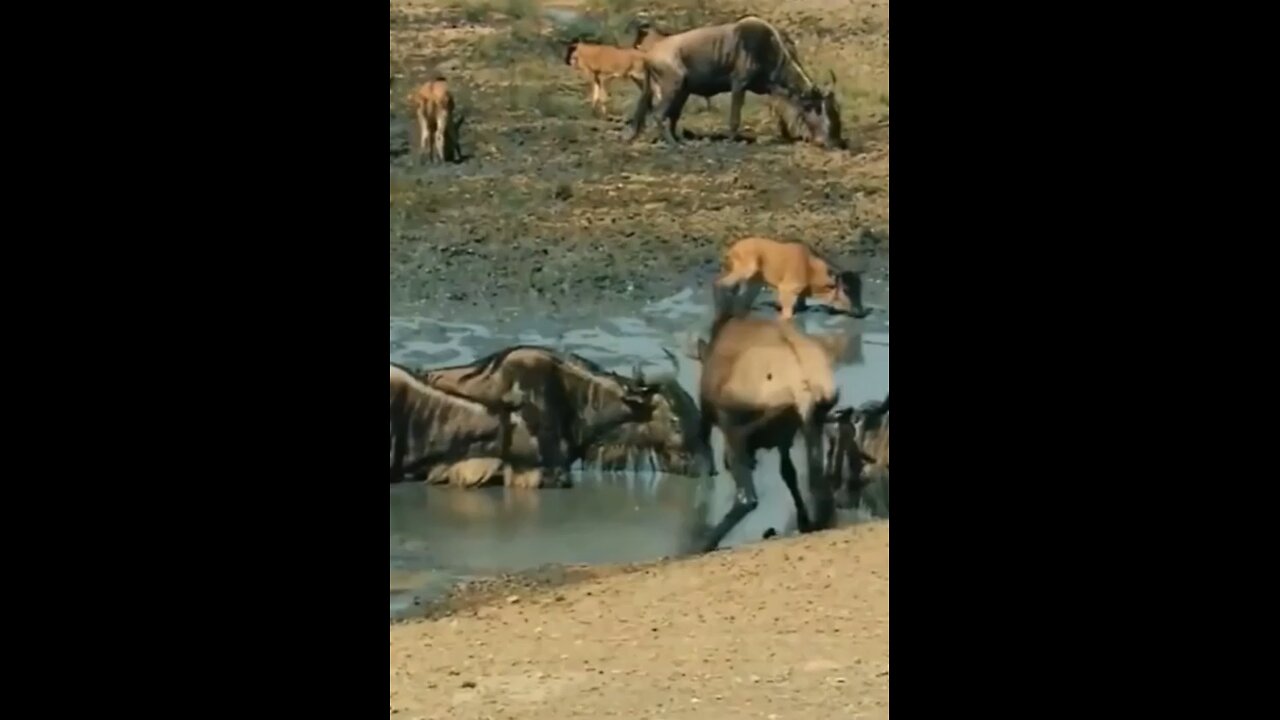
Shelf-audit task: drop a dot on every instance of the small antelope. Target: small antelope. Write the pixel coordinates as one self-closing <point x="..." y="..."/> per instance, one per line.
<point x="793" y="270"/>
<point x="438" y="125"/>
<point x="602" y="63"/>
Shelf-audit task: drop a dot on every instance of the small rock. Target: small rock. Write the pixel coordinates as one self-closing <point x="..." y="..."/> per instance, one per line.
<point x="513" y="599"/>
<point x="468" y="683"/>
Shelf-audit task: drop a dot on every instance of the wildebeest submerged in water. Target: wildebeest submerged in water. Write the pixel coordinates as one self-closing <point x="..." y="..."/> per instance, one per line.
<point x="444" y="436"/>
<point x="571" y="403"/>
<point x="763" y="382"/>
<point x="858" y="456"/>
<point x="749" y="54"/>
<point x="671" y="436"/>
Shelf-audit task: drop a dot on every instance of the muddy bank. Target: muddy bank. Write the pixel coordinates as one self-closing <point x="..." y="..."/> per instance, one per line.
<point x="785" y="628"/>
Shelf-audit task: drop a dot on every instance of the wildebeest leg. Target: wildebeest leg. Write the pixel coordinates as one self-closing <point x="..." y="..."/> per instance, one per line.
<point x="738" y="93"/>
<point x="793" y="486"/>
<point x="399" y="439"/>
<point x="644" y="105"/>
<point x="744" y="501"/>
<point x="669" y="109"/>
<point x="824" y="509"/>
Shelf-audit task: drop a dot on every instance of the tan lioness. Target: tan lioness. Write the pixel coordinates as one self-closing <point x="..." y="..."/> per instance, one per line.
<point x="437" y="124"/>
<point x="602" y="63"/>
<point x="793" y="270"/>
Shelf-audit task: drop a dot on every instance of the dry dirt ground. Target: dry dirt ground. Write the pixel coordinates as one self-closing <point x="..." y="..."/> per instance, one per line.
<point x="795" y="627"/>
<point x="551" y="212"/>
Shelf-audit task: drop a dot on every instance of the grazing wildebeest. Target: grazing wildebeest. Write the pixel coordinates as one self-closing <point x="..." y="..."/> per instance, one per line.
<point x="438" y="122"/>
<point x="445" y="436"/>
<point x="858" y="456"/>
<point x="749" y="54"/>
<point x="570" y="401"/>
<point x="794" y="271"/>
<point x="763" y="382"/>
<point x="602" y="63"/>
<point x="671" y="437"/>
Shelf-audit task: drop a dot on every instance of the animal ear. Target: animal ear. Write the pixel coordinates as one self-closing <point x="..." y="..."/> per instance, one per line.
<point x="638" y="375"/>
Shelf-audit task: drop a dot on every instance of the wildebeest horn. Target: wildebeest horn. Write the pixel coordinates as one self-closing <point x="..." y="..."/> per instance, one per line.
<point x="833" y="77"/>
<point x="674" y="362"/>
<point x="638" y="374"/>
<point x="514" y="397"/>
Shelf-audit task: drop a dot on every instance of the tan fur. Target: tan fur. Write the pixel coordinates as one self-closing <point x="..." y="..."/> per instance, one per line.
<point x="791" y="269"/>
<point x="433" y="104"/>
<point x="761" y="363"/>
<point x="486" y="472"/>
<point x="602" y="63"/>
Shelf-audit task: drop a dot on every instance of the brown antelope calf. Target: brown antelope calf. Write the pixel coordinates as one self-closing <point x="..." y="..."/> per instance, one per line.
<point x="438" y="125"/>
<point x="793" y="270"/>
<point x="763" y="382"/>
<point x="602" y="63"/>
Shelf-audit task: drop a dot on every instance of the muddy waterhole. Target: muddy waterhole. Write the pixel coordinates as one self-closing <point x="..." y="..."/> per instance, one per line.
<point x="440" y="536"/>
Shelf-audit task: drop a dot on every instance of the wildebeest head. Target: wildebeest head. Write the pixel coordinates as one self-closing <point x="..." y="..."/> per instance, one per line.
<point x="571" y="53"/>
<point x="821" y="115"/>
<point x="643" y="29"/>
<point x="851" y="288"/>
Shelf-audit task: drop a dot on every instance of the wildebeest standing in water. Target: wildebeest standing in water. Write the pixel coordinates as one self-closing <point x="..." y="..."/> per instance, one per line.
<point x="437" y="434"/>
<point x="858" y="456"/>
<point x="570" y="401"/>
<point x="747" y="55"/>
<point x="439" y="122"/>
<point x="763" y="382"/>
<point x="671" y="436"/>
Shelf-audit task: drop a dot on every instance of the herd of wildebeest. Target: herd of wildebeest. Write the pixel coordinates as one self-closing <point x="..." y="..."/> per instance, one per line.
<point x="524" y="416"/>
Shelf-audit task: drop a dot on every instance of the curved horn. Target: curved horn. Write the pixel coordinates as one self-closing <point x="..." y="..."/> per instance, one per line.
<point x="674" y="362"/>
<point x="833" y="77"/>
<point x="637" y="374"/>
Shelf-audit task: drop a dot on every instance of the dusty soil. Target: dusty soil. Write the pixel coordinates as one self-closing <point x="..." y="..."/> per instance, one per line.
<point x="795" y="627"/>
<point x="552" y="212"/>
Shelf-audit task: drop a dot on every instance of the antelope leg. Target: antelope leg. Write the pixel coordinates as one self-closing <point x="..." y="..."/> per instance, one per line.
<point x="793" y="486"/>
<point x="744" y="500"/>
